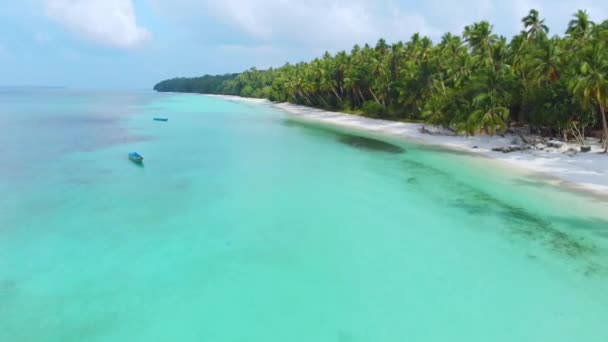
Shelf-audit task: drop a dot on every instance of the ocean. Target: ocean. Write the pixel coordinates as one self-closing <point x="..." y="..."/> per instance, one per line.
<point x="246" y="224"/>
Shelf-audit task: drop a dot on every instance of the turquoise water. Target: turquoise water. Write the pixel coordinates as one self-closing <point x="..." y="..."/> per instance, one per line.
<point x="246" y="225"/>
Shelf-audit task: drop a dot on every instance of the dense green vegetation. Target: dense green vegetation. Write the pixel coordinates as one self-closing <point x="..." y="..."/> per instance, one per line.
<point x="477" y="82"/>
<point x="207" y="84"/>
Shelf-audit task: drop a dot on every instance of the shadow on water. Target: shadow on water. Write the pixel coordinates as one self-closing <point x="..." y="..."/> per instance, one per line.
<point x="309" y="128"/>
<point x="345" y="336"/>
<point x="369" y="144"/>
<point x="8" y="290"/>
<point x="344" y="136"/>
<point x="7" y="286"/>
<point x="595" y="226"/>
<point x="138" y="165"/>
<point x="518" y="222"/>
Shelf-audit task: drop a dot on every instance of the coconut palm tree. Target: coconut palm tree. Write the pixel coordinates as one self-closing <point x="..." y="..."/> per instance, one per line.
<point x="489" y="115"/>
<point x="434" y="111"/>
<point x="580" y="27"/>
<point x="548" y="64"/>
<point x="480" y="38"/>
<point x="535" y="27"/>
<point x="592" y="84"/>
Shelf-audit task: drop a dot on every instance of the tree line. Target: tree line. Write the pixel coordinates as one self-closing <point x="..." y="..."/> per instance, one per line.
<point x="478" y="82"/>
<point x="208" y="84"/>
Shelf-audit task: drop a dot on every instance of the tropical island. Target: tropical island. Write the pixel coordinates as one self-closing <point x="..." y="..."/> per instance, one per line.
<point x="475" y="83"/>
<point x="542" y="96"/>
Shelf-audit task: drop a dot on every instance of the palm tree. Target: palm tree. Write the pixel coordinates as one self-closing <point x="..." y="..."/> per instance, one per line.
<point x="521" y="50"/>
<point x="489" y="116"/>
<point x="548" y="63"/>
<point x="434" y="111"/>
<point x="381" y="46"/>
<point x="451" y="44"/>
<point x="480" y="38"/>
<point x="536" y="28"/>
<point x="492" y="99"/>
<point x="580" y="27"/>
<point x="381" y="80"/>
<point x="592" y="85"/>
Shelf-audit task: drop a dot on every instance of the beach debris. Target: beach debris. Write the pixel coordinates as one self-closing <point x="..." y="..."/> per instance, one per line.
<point x="424" y="130"/>
<point x="555" y="143"/>
<point x="570" y="152"/>
<point x="502" y="149"/>
<point x="512" y="148"/>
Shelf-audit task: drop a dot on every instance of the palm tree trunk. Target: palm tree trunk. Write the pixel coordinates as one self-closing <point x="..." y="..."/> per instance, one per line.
<point x="374" y="95"/>
<point x="361" y="96"/>
<point x="321" y="99"/>
<point x="336" y="93"/>
<point x="304" y="95"/>
<point x="603" y="114"/>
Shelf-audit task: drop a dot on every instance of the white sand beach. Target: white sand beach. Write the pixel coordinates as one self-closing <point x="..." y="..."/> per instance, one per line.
<point x="585" y="171"/>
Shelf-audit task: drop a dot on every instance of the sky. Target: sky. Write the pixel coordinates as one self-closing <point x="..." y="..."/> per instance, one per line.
<point x="132" y="44"/>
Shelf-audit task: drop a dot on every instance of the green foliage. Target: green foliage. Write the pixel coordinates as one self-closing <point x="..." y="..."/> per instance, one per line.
<point x="206" y="84"/>
<point x="477" y="82"/>
<point x="373" y="108"/>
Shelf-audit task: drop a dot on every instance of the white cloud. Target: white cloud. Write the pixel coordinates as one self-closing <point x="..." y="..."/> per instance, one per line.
<point x="341" y="23"/>
<point x="338" y="24"/>
<point x="315" y="23"/>
<point x="108" y="22"/>
<point x="262" y="56"/>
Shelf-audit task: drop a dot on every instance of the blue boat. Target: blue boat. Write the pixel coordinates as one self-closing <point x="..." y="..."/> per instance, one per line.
<point x="136" y="157"/>
<point x="161" y="119"/>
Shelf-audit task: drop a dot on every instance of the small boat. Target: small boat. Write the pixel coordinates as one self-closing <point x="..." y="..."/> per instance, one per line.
<point x="161" y="119"/>
<point x="136" y="157"/>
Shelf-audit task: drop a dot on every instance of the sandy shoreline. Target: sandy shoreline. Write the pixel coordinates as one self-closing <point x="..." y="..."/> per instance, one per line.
<point x="583" y="171"/>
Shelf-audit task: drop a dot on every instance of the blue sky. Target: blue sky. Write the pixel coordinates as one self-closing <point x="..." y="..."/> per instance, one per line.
<point x="134" y="43"/>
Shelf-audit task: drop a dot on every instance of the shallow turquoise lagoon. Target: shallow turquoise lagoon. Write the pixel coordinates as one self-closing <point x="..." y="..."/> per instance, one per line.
<point x="244" y="224"/>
